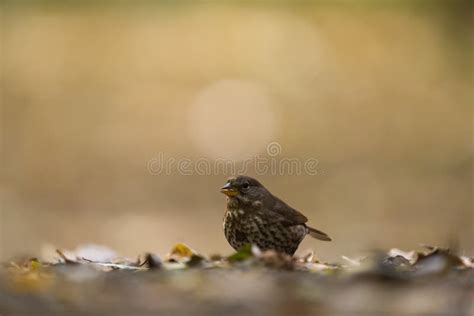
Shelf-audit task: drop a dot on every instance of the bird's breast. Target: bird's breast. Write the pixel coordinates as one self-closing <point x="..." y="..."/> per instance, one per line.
<point x="234" y="214"/>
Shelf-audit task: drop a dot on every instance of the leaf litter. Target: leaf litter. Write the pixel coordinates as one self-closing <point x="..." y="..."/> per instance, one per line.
<point x="93" y="276"/>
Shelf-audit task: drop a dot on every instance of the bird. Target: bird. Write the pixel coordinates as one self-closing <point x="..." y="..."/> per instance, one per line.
<point x="255" y="216"/>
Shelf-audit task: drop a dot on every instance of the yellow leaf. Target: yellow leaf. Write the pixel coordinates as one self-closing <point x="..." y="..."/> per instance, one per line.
<point x="182" y="250"/>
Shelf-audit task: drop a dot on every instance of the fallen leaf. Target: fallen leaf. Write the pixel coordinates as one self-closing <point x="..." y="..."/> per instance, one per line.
<point x="245" y="252"/>
<point x="181" y="250"/>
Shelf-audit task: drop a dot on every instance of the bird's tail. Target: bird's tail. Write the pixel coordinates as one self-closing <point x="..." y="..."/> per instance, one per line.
<point x="318" y="234"/>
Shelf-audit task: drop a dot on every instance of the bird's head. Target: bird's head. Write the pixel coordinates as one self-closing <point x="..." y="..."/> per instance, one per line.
<point x="244" y="188"/>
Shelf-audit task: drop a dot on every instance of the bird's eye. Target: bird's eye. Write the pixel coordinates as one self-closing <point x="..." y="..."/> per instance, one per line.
<point x="245" y="185"/>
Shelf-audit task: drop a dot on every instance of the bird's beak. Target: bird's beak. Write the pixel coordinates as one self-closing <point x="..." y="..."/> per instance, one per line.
<point x="229" y="190"/>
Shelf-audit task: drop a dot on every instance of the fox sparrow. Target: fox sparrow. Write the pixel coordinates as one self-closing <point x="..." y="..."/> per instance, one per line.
<point x="255" y="216"/>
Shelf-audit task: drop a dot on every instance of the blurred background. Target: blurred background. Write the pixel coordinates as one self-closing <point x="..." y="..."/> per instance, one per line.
<point x="380" y="93"/>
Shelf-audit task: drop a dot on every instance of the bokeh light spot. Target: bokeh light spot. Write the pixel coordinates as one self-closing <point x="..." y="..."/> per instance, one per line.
<point x="232" y="119"/>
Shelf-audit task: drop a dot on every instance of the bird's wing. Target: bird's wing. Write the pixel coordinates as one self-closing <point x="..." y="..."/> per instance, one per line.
<point x="282" y="212"/>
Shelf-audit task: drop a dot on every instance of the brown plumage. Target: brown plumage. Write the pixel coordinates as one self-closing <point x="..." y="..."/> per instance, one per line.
<point x="256" y="216"/>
